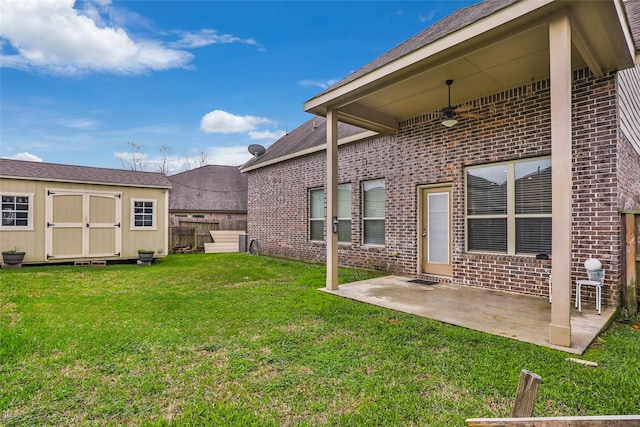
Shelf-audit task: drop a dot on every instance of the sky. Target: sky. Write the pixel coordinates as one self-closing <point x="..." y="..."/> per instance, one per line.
<point x="95" y="82"/>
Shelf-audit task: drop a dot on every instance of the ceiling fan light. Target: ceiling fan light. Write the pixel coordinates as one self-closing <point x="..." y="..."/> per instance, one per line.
<point x="448" y="122"/>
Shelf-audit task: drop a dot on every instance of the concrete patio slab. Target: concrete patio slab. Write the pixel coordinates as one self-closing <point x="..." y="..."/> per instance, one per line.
<point x="520" y="317"/>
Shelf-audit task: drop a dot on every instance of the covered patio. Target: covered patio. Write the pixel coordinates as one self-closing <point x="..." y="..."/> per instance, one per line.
<point x="499" y="46"/>
<point x="521" y="317"/>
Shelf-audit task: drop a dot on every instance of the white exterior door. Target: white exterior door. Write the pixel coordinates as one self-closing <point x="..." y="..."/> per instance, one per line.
<point x="82" y="224"/>
<point x="435" y="238"/>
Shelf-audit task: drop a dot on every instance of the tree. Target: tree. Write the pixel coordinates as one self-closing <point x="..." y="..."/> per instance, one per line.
<point x="203" y="158"/>
<point x="164" y="157"/>
<point x="135" y="157"/>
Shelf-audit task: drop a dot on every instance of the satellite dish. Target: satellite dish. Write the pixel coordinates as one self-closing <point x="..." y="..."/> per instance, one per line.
<point x="256" y="149"/>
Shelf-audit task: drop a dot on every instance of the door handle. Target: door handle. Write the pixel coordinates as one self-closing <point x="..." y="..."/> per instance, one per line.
<point x="424" y="234"/>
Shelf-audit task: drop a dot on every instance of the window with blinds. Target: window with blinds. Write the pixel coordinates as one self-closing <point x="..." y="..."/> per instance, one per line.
<point x="373" y="201"/>
<point x="344" y="213"/>
<point x="317" y="215"/>
<point x="509" y="207"/>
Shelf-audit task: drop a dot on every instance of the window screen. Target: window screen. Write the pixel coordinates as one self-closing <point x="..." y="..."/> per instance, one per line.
<point x="316" y="214"/>
<point x="344" y="213"/>
<point x="373" y="212"/>
<point x="509" y="207"/>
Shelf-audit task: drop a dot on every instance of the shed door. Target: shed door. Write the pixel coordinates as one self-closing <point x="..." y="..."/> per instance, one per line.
<point x="82" y="224"/>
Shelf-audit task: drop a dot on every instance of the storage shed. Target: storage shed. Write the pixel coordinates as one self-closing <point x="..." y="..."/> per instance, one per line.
<point x="62" y="213"/>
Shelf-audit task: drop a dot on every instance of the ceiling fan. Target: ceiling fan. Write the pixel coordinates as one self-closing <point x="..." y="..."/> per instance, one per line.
<point x="449" y="112"/>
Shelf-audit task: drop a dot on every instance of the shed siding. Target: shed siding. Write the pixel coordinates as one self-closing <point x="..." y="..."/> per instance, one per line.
<point x="424" y="152"/>
<point x="33" y="241"/>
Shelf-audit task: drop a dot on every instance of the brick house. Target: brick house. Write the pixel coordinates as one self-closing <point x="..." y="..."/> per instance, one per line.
<point x="211" y="193"/>
<point x="542" y="134"/>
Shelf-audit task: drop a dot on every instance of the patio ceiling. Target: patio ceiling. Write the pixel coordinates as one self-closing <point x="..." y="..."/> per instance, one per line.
<point x="501" y="51"/>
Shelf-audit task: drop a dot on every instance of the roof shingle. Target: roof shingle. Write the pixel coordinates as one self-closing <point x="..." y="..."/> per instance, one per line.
<point x="42" y="171"/>
<point x="447" y="25"/>
<point x="211" y="188"/>
<point x="632" y="7"/>
<point x="308" y="135"/>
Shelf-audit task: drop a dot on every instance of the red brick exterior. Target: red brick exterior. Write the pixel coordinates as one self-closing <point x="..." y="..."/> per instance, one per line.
<point x="425" y="152"/>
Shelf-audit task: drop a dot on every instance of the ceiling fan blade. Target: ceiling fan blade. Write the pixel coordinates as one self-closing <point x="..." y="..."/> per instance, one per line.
<point x="463" y="108"/>
<point x="473" y="115"/>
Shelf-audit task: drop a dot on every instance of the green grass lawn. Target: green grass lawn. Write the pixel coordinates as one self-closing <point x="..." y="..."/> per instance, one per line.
<point x="232" y="339"/>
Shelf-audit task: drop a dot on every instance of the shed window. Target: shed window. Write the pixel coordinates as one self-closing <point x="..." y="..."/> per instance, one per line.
<point x="373" y="202"/>
<point x="144" y="214"/>
<point x="509" y="207"/>
<point x="16" y="211"/>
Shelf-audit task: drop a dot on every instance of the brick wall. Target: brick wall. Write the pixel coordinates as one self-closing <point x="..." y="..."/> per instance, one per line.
<point x="424" y="152"/>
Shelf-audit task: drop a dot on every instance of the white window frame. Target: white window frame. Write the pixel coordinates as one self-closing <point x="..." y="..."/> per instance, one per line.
<point x="365" y="218"/>
<point x="29" y="225"/>
<point x="154" y="223"/>
<point x="340" y="218"/>
<point x="323" y="218"/>
<point x="312" y="219"/>
<point x="511" y="216"/>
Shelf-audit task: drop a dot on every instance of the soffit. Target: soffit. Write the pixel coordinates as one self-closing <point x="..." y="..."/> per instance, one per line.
<point x="482" y="59"/>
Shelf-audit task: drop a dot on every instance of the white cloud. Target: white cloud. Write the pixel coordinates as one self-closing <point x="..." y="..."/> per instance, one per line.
<point x="428" y="17"/>
<point x="125" y="156"/>
<point x="267" y="134"/>
<point x="218" y="121"/>
<point x="25" y="156"/>
<point x="208" y="37"/>
<point x="77" y="123"/>
<point x="320" y="84"/>
<point x="55" y="37"/>
<point x="230" y="156"/>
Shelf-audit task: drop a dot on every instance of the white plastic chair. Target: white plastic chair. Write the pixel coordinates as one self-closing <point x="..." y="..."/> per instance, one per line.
<point x="595" y="278"/>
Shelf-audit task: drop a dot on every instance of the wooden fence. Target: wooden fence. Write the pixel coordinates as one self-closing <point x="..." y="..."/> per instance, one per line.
<point x="522" y="415"/>
<point x="193" y="234"/>
<point x="631" y="242"/>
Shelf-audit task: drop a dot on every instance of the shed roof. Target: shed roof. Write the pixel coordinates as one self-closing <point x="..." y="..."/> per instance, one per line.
<point x="210" y="188"/>
<point x="41" y="171"/>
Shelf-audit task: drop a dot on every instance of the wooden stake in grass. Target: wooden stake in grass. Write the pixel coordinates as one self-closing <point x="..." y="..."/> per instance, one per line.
<point x="526" y="394"/>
